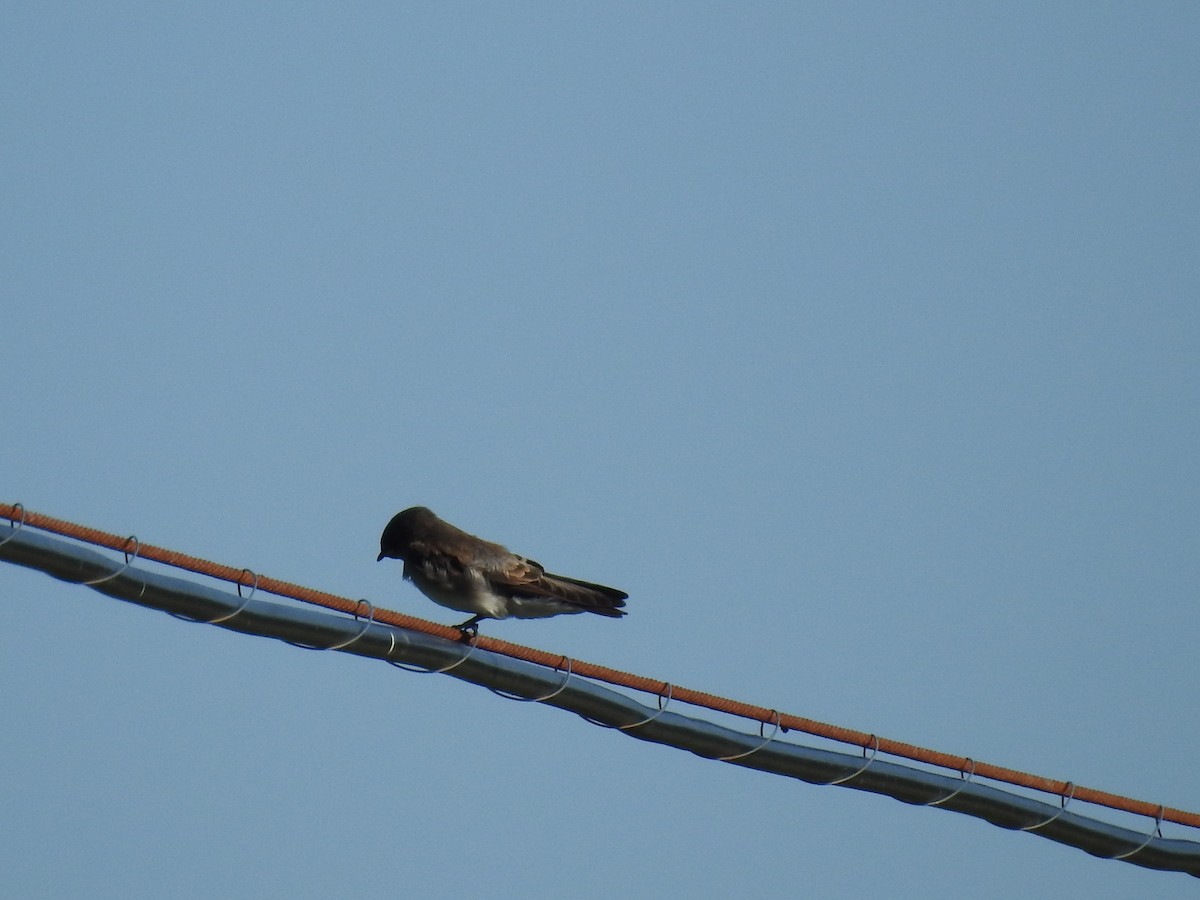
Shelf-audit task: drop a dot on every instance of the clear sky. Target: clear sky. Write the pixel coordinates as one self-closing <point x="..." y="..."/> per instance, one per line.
<point x="857" y="342"/>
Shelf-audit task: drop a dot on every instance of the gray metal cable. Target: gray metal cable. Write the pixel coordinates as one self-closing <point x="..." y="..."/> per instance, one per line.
<point x="362" y="636"/>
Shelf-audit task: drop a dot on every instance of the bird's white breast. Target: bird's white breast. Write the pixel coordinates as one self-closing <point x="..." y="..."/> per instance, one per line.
<point x="470" y="592"/>
<point x="467" y="593"/>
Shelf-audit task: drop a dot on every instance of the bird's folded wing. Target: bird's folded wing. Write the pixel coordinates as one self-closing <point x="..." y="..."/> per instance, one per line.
<point x="435" y="562"/>
<point x="525" y="577"/>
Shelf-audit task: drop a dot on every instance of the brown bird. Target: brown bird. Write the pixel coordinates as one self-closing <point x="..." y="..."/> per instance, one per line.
<point x="463" y="572"/>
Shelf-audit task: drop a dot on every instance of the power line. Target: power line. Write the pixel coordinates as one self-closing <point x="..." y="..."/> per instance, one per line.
<point x="529" y="674"/>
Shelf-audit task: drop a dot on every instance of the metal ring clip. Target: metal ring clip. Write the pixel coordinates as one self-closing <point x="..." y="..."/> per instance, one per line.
<point x="1064" y="800"/>
<point x="245" y="602"/>
<point x="1157" y="832"/>
<point x="770" y="737"/>
<point x="224" y="617"/>
<point x="662" y="708"/>
<point x="421" y="670"/>
<point x="554" y="693"/>
<point x="865" y="766"/>
<point x="966" y="775"/>
<point x="137" y="546"/>
<point x="18" y="526"/>
<point x="344" y="644"/>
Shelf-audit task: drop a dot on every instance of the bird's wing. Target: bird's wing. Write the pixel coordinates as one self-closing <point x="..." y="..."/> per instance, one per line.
<point x="436" y="562"/>
<point x="519" y="576"/>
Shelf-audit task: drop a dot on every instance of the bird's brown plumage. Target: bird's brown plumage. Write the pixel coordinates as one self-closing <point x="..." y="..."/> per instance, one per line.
<point x="465" y="572"/>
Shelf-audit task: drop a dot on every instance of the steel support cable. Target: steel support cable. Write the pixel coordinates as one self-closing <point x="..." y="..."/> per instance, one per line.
<point x="22" y="517"/>
<point x="364" y="635"/>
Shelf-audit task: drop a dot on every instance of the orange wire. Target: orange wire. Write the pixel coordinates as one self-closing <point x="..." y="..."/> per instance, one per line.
<point x="787" y="722"/>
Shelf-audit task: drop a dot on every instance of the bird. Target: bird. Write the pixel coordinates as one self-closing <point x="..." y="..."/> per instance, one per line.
<point x="463" y="572"/>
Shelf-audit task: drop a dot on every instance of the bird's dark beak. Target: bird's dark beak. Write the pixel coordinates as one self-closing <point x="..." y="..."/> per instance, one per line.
<point x="379" y="557"/>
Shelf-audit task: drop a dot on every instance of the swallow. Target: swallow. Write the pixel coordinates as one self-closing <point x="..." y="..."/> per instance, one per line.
<point x="466" y="573"/>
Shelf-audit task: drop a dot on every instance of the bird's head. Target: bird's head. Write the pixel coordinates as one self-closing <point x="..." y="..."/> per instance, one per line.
<point x="404" y="528"/>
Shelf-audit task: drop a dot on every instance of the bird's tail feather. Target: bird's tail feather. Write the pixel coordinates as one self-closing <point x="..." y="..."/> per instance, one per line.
<point x="595" y="598"/>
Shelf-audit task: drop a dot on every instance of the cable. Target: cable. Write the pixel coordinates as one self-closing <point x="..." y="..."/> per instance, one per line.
<point x="580" y="669"/>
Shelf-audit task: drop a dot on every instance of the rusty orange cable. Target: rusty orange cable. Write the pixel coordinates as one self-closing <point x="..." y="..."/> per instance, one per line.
<point x="787" y="722"/>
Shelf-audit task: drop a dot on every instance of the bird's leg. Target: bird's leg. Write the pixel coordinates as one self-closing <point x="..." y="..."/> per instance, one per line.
<point x="470" y="628"/>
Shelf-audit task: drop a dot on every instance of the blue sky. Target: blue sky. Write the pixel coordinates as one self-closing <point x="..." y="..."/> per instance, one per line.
<point x="857" y="343"/>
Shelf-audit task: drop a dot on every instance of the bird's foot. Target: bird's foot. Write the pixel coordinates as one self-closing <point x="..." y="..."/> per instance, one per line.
<point x="469" y="629"/>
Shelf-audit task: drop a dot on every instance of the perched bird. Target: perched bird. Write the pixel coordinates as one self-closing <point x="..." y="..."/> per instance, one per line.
<point x="463" y="572"/>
